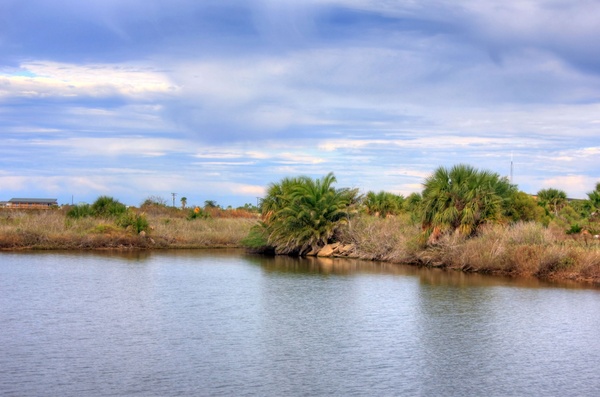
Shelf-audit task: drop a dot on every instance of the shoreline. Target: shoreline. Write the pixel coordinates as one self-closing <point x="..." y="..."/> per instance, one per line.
<point x="562" y="276"/>
<point x="519" y="250"/>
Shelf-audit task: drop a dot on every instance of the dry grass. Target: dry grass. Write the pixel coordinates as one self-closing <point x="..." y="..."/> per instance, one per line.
<point x="390" y="239"/>
<point x="212" y="232"/>
<point x="51" y="229"/>
<point x="523" y="249"/>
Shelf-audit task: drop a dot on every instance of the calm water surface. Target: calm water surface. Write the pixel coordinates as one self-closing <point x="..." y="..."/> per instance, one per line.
<point x="218" y="323"/>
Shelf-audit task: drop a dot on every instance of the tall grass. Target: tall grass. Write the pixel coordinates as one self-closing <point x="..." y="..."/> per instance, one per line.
<point x="524" y="249"/>
<point x="54" y="230"/>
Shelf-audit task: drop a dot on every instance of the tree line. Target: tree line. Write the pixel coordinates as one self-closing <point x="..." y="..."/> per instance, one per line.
<point x="301" y="214"/>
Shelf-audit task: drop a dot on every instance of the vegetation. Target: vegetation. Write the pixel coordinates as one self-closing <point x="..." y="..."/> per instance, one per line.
<point x="383" y="203"/>
<point x="301" y="214"/>
<point x="135" y="229"/>
<point x="552" y="200"/>
<point x="465" y="219"/>
<point x="463" y="199"/>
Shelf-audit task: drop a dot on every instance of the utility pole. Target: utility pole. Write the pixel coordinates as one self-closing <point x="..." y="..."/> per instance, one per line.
<point x="511" y="168"/>
<point x="173" y="194"/>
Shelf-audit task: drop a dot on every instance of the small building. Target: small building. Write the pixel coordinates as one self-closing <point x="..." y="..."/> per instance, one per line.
<point x="31" y="203"/>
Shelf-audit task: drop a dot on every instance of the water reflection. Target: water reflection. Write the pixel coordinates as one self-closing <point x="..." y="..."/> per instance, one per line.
<point x="322" y="266"/>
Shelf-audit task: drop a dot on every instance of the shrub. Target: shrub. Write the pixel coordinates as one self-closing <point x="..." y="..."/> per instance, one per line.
<point x="108" y="207"/>
<point x="574" y="229"/>
<point x="197" y="213"/>
<point x="80" y="211"/>
<point x="257" y="239"/>
<point x="137" y="222"/>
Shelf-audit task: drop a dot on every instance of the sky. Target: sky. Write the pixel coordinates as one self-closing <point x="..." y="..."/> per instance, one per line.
<point x="216" y="99"/>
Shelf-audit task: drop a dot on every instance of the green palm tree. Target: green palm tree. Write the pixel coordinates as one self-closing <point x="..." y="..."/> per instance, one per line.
<point x="462" y="199"/>
<point x="301" y="214"/>
<point x="383" y="203"/>
<point x="183" y="202"/>
<point x="553" y="200"/>
<point x="593" y="201"/>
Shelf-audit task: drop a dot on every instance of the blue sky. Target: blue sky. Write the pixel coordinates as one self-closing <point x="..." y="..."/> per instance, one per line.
<point x="215" y="99"/>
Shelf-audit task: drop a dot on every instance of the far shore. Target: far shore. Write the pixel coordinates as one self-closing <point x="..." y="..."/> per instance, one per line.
<point x="523" y="250"/>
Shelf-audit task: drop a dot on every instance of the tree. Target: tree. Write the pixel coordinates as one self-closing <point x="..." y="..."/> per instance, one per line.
<point x="413" y="205"/>
<point x="523" y="207"/>
<point x="183" y="202"/>
<point x="383" y="203"/>
<point x="553" y="200"/>
<point x="211" y="204"/>
<point x="462" y="199"/>
<point x="593" y="201"/>
<point x="155" y="200"/>
<point x="301" y="214"/>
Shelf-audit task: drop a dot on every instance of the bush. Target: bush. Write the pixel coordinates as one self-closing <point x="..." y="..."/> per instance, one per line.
<point x="257" y="239"/>
<point x="80" y="211"/>
<point x="574" y="229"/>
<point x="137" y="222"/>
<point x="197" y="213"/>
<point x="108" y="206"/>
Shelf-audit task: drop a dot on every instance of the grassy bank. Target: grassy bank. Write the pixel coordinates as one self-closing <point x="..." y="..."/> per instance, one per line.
<point x="523" y="249"/>
<point x="52" y="229"/>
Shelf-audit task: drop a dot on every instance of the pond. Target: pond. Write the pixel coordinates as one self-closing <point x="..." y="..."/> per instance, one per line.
<point x="223" y="323"/>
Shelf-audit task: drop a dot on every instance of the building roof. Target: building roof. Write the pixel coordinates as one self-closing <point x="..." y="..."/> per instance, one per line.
<point x="33" y="200"/>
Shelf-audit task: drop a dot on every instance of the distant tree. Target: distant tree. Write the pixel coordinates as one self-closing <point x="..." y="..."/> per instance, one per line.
<point x="248" y="207"/>
<point x="523" y="207"/>
<point x="154" y="200"/>
<point x="183" y="202"/>
<point x="593" y="201"/>
<point x="553" y="200"/>
<point x="211" y="204"/>
<point x="462" y="199"/>
<point x="412" y="205"/>
<point x="383" y="203"/>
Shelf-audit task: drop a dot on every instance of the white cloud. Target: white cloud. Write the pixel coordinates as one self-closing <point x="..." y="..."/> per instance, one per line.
<point x="51" y="79"/>
<point x="136" y="146"/>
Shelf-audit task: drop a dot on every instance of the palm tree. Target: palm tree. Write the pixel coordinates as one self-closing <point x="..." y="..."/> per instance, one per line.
<point x="462" y="199"/>
<point x="594" y="199"/>
<point x="183" y="202"/>
<point x="383" y="203"/>
<point x="301" y="214"/>
<point x="210" y="204"/>
<point x="553" y="200"/>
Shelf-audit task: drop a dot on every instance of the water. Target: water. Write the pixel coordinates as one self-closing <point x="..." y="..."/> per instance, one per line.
<point x="218" y="323"/>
